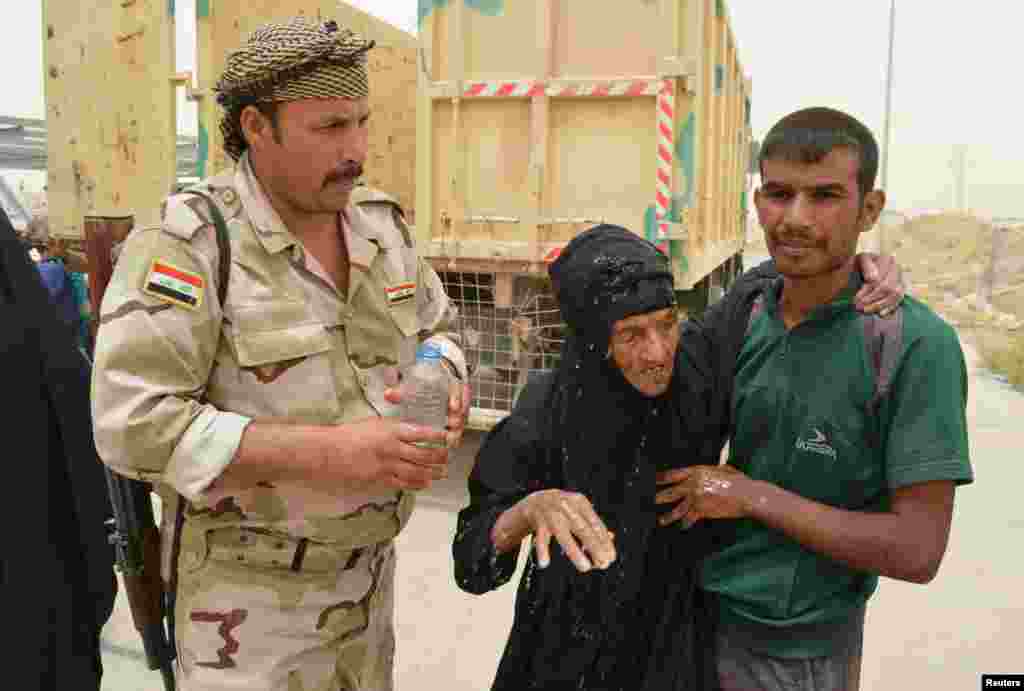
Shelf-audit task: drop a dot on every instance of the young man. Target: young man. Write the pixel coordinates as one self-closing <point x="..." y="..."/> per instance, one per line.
<point x="575" y="462"/>
<point x="269" y="411"/>
<point x="836" y="478"/>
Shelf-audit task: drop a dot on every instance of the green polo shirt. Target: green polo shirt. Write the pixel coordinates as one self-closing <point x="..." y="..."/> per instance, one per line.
<point x="802" y="421"/>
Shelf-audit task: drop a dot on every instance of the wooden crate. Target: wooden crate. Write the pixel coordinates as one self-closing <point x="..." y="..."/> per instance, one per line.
<point x="538" y="119"/>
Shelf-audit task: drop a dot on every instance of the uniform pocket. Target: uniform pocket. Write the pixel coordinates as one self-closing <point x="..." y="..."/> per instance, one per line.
<point x="255" y="348"/>
<point x="277" y="333"/>
<point x="285" y="360"/>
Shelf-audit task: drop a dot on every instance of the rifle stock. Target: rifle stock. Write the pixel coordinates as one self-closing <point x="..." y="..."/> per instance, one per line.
<point x="134" y="533"/>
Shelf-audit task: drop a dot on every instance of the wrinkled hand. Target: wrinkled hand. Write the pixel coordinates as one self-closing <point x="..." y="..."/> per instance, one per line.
<point x="570" y="518"/>
<point x="382" y="453"/>
<point x="703" y="491"/>
<point x="883" y="288"/>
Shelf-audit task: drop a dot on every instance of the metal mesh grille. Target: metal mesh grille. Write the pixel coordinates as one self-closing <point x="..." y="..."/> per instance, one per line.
<point x="504" y="346"/>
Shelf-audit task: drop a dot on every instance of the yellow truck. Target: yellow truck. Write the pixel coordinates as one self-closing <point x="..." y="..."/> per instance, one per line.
<point x="539" y="119"/>
<point x="504" y="128"/>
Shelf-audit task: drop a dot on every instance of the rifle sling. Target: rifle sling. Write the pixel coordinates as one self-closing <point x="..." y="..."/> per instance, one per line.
<point x="223" y="275"/>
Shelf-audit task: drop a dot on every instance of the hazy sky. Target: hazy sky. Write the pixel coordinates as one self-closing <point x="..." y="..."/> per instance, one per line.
<point x="956" y="80"/>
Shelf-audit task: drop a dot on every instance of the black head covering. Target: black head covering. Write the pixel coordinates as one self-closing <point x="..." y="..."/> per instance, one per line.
<point x="606" y="274"/>
<point x="630" y="626"/>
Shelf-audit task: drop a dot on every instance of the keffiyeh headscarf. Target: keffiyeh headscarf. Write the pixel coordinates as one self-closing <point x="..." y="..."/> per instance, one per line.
<point x="290" y="62"/>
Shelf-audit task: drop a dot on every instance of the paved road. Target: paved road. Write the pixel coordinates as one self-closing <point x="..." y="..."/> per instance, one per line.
<point x="970" y="620"/>
<point x="939" y="637"/>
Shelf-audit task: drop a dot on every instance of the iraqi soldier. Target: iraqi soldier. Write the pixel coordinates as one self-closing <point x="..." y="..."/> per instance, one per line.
<point x="268" y="417"/>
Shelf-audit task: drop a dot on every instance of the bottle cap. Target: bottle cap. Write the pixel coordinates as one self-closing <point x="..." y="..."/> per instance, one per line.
<point x="428" y="351"/>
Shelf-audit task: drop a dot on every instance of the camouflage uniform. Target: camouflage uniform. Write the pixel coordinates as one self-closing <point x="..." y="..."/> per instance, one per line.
<point x="279" y="587"/>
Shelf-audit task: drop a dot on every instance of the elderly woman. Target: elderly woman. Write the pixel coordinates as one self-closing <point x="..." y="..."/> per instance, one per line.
<point x="613" y="603"/>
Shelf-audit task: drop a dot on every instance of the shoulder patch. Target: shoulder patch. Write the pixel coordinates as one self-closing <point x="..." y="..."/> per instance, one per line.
<point x="174" y="285"/>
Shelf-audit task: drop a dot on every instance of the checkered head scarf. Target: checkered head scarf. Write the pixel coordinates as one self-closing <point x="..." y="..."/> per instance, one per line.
<point x="290" y="62"/>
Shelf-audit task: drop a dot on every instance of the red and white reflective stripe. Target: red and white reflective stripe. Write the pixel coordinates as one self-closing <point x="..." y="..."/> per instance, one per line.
<point x="620" y="87"/>
<point x="517" y="89"/>
<point x="666" y="145"/>
<point x="528" y="88"/>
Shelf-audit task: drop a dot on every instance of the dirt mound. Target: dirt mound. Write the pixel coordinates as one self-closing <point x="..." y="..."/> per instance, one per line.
<point x="947" y="257"/>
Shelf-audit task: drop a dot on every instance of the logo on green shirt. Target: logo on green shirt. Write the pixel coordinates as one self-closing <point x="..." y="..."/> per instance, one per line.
<point x="819" y="445"/>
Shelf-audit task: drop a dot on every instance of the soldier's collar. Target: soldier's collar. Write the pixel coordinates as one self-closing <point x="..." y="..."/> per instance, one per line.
<point x="273" y="234"/>
<point x="361" y="237"/>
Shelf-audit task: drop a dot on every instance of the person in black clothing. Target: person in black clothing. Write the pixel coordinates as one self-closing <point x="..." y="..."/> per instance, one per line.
<point x="57" y="581"/>
<point x="613" y="603"/>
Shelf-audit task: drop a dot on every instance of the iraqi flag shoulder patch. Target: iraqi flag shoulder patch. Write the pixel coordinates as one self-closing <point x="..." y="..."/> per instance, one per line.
<point x="178" y="287"/>
<point x="401" y="293"/>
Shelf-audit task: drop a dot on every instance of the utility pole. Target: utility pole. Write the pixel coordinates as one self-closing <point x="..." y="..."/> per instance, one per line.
<point x="888" y="119"/>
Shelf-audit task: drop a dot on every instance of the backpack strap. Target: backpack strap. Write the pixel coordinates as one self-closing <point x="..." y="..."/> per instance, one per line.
<point x="223" y="244"/>
<point x="223" y="275"/>
<point x="755" y="309"/>
<point x="883" y="340"/>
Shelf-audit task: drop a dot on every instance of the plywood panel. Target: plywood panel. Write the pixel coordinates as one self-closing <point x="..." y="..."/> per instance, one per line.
<point x="497" y="152"/>
<point x="111" y="148"/>
<point x="225" y="25"/>
<point x="709" y="156"/>
<point x="607" y="38"/>
<point x="441" y="172"/>
<point x="602" y="159"/>
<point x="728" y="139"/>
<point x="505" y="45"/>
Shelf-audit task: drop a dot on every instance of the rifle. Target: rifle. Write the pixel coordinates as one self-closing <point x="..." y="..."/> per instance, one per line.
<point x="135" y="535"/>
<point x="133" y="531"/>
<point x="136" y="540"/>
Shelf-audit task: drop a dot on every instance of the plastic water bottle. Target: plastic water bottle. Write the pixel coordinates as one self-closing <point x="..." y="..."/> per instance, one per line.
<point x="425" y="392"/>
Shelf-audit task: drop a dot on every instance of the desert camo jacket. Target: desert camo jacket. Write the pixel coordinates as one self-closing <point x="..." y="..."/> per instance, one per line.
<point x="178" y="375"/>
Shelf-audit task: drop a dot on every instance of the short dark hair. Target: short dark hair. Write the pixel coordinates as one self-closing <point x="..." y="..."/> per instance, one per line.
<point x="809" y="135"/>
<point x="231" y="125"/>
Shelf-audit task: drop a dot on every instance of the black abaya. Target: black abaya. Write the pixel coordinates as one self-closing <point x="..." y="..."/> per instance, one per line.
<point x="56" y="570"/>
<point x="640" y="624"/>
